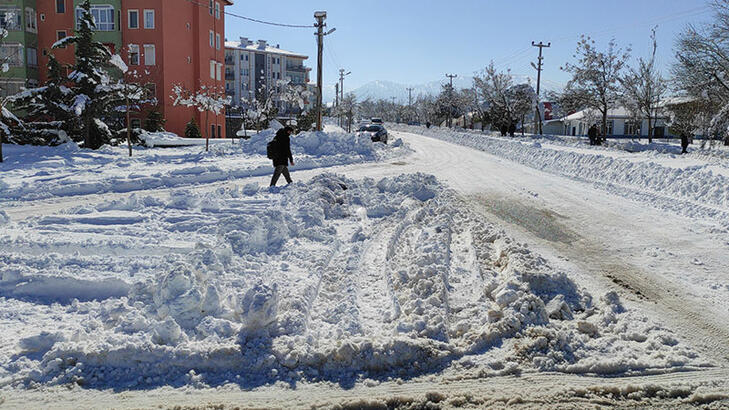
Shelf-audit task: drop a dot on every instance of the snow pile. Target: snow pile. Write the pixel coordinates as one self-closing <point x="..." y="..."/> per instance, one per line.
<point x="31" y="172"/>
<point x="333" y="279"/>
<point x="320" y="144"/>
<point x="692" y="190"/>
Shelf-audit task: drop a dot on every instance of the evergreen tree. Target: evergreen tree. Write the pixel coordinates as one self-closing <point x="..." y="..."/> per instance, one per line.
<point x="46" y="110"/>
<point x="91" y="87"/>
<point x="192" y="130"/>
<point x="155" y="121"/>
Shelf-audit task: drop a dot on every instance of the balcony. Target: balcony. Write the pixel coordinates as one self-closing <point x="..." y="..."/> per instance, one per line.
<point x="229" y="75"/>
<point x="229" y="60"/>
<point x="230" y="92"/>
<point x="297" y="68"/>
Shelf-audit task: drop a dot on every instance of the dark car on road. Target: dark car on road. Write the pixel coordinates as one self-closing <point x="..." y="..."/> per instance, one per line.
<point x="375" y="132"/>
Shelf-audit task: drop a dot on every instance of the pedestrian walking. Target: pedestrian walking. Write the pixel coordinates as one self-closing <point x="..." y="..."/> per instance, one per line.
<point x="512" y="129"/>
<point x="592" y="134"/>
<point x="281" y="154"/>
<point x="684" y="143"/>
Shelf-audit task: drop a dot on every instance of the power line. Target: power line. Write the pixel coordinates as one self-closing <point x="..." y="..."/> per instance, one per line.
<point x="270" y="23"/>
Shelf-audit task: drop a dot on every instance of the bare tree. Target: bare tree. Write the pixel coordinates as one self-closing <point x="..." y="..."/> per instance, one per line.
<point x="702" y="69"/>
<point x="643" y="89"/>
<point x="347" y="108"/>
<point x="206" y="99"/>
<point x="494" y="90"/>
<point x="596" y="76"/>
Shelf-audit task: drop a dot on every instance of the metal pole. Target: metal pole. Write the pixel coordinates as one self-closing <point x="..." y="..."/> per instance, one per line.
<point x="449" y="121"/>
<point x="320" y="16"/>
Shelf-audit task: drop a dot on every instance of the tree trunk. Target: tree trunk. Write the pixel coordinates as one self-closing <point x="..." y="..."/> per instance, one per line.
<point x="129" y="125"/>
<point x="2" y="136"/>
<point x="207" y="133"/>
<point x="604" y="125"/>
<point x="650" y="130"/>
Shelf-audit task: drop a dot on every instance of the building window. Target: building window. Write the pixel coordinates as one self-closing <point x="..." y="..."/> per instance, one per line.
<point x="103" y="17"/>
<point x="133" y="18"/>
<point x="136" y="123"/>
<point x="219" y="71"/>
<point x="12" y="54"/>
<point x="31" y="20"/>
<point x="133" y="54"/>
<point x="212" y="69"/>
<point x="32" y="55"/>
<point x="149" y="55"/>
<point x="10" y="19"/>
<point x="212" y="38"/>
<point x="246" y="72"/>
<point x="217" y="41"/>
<point x="220" y="131"/>
<point x="42" y="17"/>
<point x="60" y="6"/>
<point x="212" y="130"/>
<point x="60" y="35"/>
<point x="189" y="60"/>
<point x="217" y="10"/>
<point x="149" y="19"/>
<point x="632" y="127"/>
<point x="211" y="7"/>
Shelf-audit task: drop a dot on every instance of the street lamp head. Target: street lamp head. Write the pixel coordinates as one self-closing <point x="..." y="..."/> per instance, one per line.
<point x="330" y="31"/>
<point x="320" y="14"/>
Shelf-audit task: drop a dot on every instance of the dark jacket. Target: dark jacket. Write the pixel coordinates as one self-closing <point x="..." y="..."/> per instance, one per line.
<point x="282" y="154"/>
<point x="592" y="133"/>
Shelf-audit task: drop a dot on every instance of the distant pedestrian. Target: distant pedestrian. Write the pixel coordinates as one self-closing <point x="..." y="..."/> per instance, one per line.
<point x="504" y="129"/>
<point x="427" y="124"/>
<point x="282" y="154"/>
<point x="684" y="143"/>
<point x="512" y="129"/>
<point x="592" y="134"/>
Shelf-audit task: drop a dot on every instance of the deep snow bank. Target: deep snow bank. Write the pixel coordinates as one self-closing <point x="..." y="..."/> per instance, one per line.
<point x="333" y="279"/>
<point x="41" y="172"/>
<point x="695" y="190"/>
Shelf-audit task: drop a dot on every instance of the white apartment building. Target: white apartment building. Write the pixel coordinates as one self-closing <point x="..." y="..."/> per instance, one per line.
<point x="251" y="67"/>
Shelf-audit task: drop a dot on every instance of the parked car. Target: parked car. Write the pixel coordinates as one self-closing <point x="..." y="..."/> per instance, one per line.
<point x="376" y="120"/>
<point x="375" y="132"/>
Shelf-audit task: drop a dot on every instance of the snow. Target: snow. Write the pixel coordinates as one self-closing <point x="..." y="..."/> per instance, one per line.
<point x="68" y="170"/>
<point x="374" y="273"/>
<point x="260" y="287"/>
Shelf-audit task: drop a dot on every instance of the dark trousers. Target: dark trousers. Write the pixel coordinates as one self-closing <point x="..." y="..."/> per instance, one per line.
<point x="280" y="169"/>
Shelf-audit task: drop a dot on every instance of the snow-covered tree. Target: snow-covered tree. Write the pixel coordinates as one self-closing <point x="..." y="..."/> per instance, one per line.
<point x="93" y="95"/>
<point x="48" y="118"/>
<point x="701" y="70"/>
<point x="258" y="110"/>
<point x="643" y="89"/>
<point x="523" y="100"/>
<point x="5" y="114"/>
<point x="206" y="100"/>
<point x="596" y="76"/>
<point x="503" y="103"/>
<point x="347" y="109"/>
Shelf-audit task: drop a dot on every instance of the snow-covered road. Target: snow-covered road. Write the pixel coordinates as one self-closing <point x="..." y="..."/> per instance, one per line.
<point x="668" y="265"/>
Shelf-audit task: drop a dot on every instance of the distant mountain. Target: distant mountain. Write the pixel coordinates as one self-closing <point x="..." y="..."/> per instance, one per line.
<point x="385" y="90"/>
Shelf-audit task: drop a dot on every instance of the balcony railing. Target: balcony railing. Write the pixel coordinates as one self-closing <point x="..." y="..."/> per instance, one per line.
<point x="229" y="76"/>
<point x="229" y="60"/>
<point x="297" y="68"/>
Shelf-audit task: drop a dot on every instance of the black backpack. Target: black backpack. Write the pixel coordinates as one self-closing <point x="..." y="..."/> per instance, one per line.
<point x="271" y="148"/>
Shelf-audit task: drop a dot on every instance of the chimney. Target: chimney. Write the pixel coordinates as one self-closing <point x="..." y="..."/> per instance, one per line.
<point x="261" y="44"/>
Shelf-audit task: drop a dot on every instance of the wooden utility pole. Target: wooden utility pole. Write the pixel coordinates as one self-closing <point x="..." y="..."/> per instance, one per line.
<point x="538" y="115"/>
<point x="410" y="103"/>
<point x="320" y="16"/>
<point x="449" y="120"/>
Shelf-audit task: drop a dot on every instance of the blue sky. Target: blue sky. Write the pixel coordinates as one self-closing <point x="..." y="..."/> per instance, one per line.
<point x="417" y="42"/>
